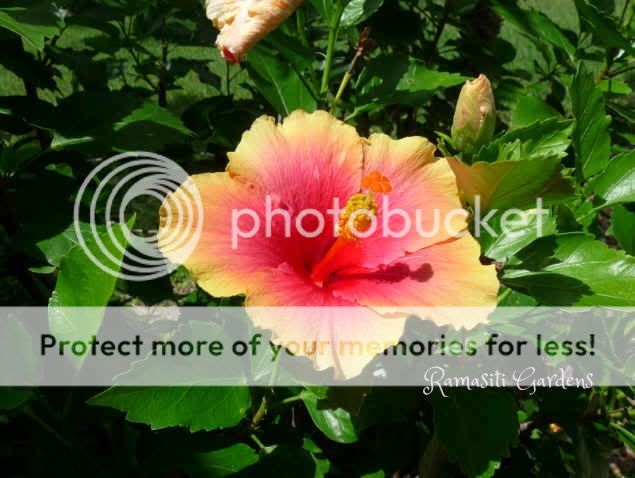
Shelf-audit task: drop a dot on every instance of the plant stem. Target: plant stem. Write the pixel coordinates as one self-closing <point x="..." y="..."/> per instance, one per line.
<point x="334" y="25"/>
<point x="359" y="51"/>
<point x="31" y="414"/>
<point x="162" y="88"/>
<point x="624" y="10"/>
<point x="340" y="90"/>
<point x="261" y="412"/>
<point x="300" y="26"/>
<point x="258" y="443"/>
<point x="504" y="295"/>
<point x="622" y="70"/>
<point x="296" y="398"/>
<point x="264" y="404"/>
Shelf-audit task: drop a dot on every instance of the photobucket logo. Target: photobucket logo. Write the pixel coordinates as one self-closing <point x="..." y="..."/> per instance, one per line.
<point x="134" y="183"/>
<point x="383" y="219"/>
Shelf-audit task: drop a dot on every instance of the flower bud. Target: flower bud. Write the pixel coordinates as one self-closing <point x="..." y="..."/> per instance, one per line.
<point x="475" y="116"/>
<point x="242" y="23"/>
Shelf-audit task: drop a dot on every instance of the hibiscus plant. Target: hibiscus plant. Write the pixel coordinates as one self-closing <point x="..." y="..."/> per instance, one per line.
<point x="393" y="110"/>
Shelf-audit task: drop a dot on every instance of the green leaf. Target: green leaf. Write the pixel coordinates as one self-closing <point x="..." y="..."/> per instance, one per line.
<point x="625" y="436"/>
<point x="324" y="8"/>
<point x="12" y="159"/>
<point x="359" y="10"/>
<point x="574" y="269"/>
<point x="548" y="31"/>
<point x="615" y="87"/>
<point x="220" y="118"/>
<point x="398" y="79"/>
<point x="530" y="109"/>
<point x="335" y="423"/>
<point x="279" y="82"/>
<point x="493" y="466"/>
<point x="591" y="139"/>
<point x="196" y="408"/>
<point x="34" y="21"/>
<point x="548" y="138"/>
<point x="151" y="112"/>
<point x="83" y="282"/>
<point x="616" y="184"/>
<point x="300" y="56"/>
<point x="460" y="423"/>
<point x="623" y="228"/>
<point x="219" y="463"/>
<point x="517" y="235"/>
<point x="24" y="64"/>
<point x="322" y="464"/>
<point x="57" y="247"/>
<point x="13" y="397"/>
<point x="535" y="25"/>
<point x="19" y="361"/>
<point x="510" y="184"/>
<point x="98" y="121"/>
<point x="603" y="28"/>
<point x="375" y="474"/>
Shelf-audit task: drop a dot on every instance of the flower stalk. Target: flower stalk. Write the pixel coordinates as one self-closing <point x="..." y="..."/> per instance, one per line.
<point x="334" y="25"/>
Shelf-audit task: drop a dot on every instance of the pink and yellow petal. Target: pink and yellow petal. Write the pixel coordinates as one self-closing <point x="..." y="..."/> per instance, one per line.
<point x="420" y="182"/>
<point x="223" y="263"/>
<point x="311" y="322"/>
<point x="309" y="159"/>
<point x="308" y="164"/>
<point x="444" y="275"/>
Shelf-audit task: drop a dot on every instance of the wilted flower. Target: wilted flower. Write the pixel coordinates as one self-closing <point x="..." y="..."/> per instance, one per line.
<point x="242" y="23"/>
<point x="474" y="116"/>
<point x="308" y="163"/>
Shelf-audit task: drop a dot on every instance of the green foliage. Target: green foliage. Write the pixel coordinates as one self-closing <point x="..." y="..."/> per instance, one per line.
<point x="507" y="184"/>
<point x="279" y="82"/>
<point x="32" y="20"/>
<point x="223" y="462"/>
<point x="459" y="419"/>
<point x="399" y="80"/>
<point x="81" y="80"/>
<point x="196" y="408"/>
<point x="616" y="184"/>
<point x="591" y="137"/>
<point x="356" y="11"/>
<point x="575" y="269"/>
<point x="623" y="228"/>
<point x="335" y="423"/>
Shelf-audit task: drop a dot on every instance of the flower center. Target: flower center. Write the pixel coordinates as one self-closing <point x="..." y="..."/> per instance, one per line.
<point x="358" y="215"/>
<point x="357" y="218"/>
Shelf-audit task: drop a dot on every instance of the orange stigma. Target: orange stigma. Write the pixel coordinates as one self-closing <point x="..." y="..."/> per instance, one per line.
<point x="377" y="183"/>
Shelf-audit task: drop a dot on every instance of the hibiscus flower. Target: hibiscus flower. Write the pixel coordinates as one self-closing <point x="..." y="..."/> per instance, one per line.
<point x="377" y="263"/>
<point x="242" y="23"/>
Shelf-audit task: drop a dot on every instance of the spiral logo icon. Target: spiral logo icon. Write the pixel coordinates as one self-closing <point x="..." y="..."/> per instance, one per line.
<point x="119" y="184"/>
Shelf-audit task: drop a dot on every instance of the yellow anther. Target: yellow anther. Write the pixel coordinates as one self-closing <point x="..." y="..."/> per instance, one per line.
<point x="358" y="215"/>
